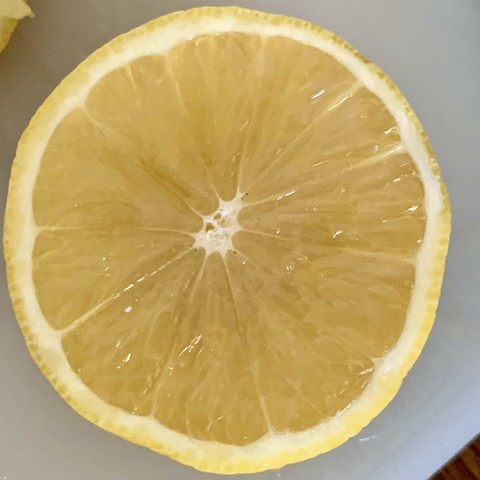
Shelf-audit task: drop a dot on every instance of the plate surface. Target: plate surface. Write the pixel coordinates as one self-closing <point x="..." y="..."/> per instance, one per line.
<point x="430" y="49"/>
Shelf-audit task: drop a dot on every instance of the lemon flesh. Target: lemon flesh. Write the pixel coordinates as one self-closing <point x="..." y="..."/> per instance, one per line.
<point x="10" y="12"/>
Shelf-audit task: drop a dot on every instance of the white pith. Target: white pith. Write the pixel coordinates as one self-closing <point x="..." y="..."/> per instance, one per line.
<point x="218" y="229"/>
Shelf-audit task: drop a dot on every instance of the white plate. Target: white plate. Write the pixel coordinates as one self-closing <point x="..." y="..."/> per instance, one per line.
<point x="430" y="49"/>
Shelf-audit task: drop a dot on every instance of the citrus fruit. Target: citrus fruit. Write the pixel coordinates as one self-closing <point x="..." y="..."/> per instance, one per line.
<point x="11" y="11"/>
<point x="225" y="238"/>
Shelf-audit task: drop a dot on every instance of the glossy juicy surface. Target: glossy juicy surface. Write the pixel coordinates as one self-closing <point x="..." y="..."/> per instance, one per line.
<point x="230" y="242"/>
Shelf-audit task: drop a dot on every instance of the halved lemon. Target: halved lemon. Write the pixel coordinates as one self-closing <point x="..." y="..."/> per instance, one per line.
<point x="225" y="238"/>
<point x="11" y="11"/>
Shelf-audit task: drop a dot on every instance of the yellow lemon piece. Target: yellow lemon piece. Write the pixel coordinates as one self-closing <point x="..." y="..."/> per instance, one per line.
<point x="225" y="238"/>
<point x="11" y="11"/>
